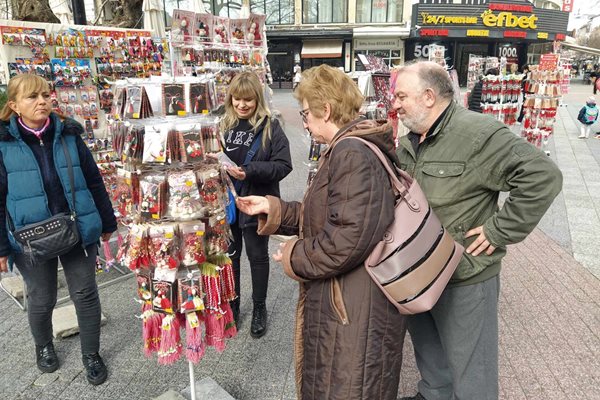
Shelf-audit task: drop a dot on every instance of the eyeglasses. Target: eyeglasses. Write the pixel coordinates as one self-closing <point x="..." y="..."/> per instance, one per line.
<point x="304" y="114"/>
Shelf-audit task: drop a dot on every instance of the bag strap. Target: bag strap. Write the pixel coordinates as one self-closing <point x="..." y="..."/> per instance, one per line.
<point x="396" y="183"/>
<point x="70" y="171"/>
<point x="253" y="149"/>
<point x="11" y="224"/>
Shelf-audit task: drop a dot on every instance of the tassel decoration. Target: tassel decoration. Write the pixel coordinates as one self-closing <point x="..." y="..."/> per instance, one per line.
<point x="194" y="345"/>
<point x="215" y="330"/>
<point x="170" y="341"/>
<point x="229" y="322"/>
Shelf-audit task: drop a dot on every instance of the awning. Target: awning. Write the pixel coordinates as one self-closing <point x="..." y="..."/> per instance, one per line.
<point x="581" y="49"/>
<point x="322" y="49"/>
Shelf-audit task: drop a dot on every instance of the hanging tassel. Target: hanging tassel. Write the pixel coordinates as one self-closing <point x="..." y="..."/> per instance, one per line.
<point x="151" y="329"/>
<point x="194" y="346"/>
<point x="215" y="335"/>
<point x="227" y="279"/>
<point x="228" y="321"/>
<point x="108" y="257"/>
<point x="119" y="240"/>
<point x="170" y="341"/>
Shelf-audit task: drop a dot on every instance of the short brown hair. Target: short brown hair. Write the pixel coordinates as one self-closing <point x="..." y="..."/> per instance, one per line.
<point x="327" y="85"/>
<point x="22" y="85"/>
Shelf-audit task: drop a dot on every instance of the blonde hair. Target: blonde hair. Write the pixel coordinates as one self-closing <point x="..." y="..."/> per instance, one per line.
<point x="327" y="85"/>
<point x="22" y="86"/>
<point x="246" y="85"/>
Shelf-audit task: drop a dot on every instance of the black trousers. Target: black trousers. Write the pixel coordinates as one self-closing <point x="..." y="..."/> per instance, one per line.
<point x="257" y="250"/>
<point x="41" y="279"/>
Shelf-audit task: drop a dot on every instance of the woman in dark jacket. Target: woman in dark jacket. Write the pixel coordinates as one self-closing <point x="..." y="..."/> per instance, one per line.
<point x="256" y="143"/>
<point x="35" y="185"/>
<point x="348" y="337"/>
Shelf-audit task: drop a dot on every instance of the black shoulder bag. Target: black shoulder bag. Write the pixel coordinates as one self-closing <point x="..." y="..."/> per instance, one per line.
<point x="54" y="236"/>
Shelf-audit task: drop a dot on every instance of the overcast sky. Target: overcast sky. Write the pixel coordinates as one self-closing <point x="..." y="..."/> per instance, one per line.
<point x="582" y="11"/>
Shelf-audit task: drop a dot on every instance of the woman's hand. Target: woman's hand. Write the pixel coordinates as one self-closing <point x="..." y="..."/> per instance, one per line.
<point x="279" y="255"/>
<point x="4" y="264"/>
<point x="253" y="205"/>
<point x="237" y="172"/>
<point x="106" y="236"/>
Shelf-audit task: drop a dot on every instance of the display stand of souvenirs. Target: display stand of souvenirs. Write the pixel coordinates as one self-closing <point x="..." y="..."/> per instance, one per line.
<point x="500" y="96"/>
<point x="79" y="64"/>
<point x="543" y="92"/>
<point x="477" y="67"/>
<point x="374" y="84"/>
<point x="172" y="198"/>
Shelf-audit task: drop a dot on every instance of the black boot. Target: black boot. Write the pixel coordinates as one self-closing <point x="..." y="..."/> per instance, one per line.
<point x="259" y="320"/>
<point x="46" y="358"/>
<point x="96" y="370"/>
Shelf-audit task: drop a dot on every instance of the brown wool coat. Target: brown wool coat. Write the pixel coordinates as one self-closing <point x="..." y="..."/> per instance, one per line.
<point x="348" y="336"/>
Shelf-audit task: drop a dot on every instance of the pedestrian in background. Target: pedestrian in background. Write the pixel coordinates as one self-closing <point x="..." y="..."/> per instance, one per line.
<point x="524" y="85"/>
<point x="348" y="335"/>
<point x="35" y="185"/>
<point x="297" y="76"/>
<point x="257" y="144"/>
<point x="587" y="116"/>
<point x="463" y="160"/>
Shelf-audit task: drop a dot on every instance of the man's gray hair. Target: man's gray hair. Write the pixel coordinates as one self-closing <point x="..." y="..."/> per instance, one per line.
<point x="434" y="76"/>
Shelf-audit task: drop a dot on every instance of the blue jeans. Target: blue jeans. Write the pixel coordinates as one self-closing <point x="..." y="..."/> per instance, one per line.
<point x="41" y="280"/>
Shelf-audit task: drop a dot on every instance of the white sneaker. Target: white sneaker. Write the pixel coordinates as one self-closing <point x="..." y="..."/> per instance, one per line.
<point x="581" y="137"/>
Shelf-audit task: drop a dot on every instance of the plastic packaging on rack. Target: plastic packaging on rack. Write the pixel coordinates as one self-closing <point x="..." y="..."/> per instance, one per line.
<point x="152" y="195"/>
<point x="185" y="202"/>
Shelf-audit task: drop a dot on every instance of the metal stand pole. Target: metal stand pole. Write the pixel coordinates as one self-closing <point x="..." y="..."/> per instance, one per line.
<point x="192" y="380"/>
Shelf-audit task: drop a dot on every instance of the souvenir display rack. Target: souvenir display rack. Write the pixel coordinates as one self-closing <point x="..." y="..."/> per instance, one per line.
<point x="79" y="64"/>
<point x="172" y="199"/>
<point x="544" y="91"/>
<point x="375" y="86"/>
<point x="204" y="43"/>
<point x="500" y="97"/>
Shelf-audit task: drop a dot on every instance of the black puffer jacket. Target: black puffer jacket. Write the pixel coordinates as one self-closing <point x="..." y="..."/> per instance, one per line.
<point x="267" y="168"/>
<point x="475" y="97"/>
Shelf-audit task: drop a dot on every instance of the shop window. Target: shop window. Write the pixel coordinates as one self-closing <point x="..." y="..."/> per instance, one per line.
<point x="379" y="10"/>
<point x="277" y="11"/>
<point x="324" y="11"/>
<point x="222" y="8"/>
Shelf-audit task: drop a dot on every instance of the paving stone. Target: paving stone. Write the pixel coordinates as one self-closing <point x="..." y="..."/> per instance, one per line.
<point x="170" y="395"/>
<point x="46" y="379"/>
<point x="64" y="321"/>
<point x="207" y="388"/>
<point x="14" y="285"/>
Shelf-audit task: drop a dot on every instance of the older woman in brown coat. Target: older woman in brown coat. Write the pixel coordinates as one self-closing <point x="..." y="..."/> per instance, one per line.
<point x="348" y="335"/>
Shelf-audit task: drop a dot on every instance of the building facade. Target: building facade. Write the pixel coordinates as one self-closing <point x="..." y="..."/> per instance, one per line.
<point x="513" y="29"/>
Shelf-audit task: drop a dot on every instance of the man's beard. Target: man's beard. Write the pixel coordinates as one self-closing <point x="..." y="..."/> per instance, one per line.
<point x="416" y="123"/>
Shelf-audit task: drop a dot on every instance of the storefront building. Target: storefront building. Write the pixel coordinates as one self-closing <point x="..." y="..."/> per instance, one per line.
<point x="513" y="29"/>
<point x="333" y="32"/>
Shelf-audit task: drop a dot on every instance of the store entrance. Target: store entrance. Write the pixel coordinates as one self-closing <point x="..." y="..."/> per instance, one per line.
<point x="462" y="58"/>
<point x="282" y="65"/>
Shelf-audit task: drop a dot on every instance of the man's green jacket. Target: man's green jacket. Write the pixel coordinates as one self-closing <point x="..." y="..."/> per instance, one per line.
<point x="463" y="166"/>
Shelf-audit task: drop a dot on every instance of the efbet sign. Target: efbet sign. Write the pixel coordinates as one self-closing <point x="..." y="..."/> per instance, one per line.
<point x="508" y="20"/>
<point x="504" y="19"/>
